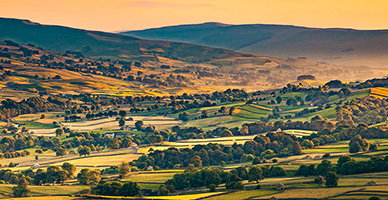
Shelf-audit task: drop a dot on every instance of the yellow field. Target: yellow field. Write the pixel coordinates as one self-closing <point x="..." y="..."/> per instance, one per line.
<point x="379" y="92"/>
<point x="112" y="124"/>
<point x="103" y="160"/>
<point x="46" y="190"/>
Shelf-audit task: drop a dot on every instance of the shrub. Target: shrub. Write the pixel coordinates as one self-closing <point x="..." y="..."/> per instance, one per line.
<point x="212" y="187"/>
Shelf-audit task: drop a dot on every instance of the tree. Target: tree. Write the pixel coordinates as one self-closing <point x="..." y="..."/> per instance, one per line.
<point x="373" y="146"/>
<point x="59" y="132"/>
<point x="155" y="139"/>
<point x="307" y="144"/>
<point x="226" y="133"/>
<point x="163" y="190"/>
<point x="130" y="189"/>
<point x="204" y="114"/>
<point x="21" y="189"/>
<point x="191" y="168"/>
<point x="295" y="148"/>
<point x="244" y="130"/>
<point x="196" y="161"/>
<point x="62" y="176"/>
<point x="231" y="110"/>
<point x="69" y="168"/>
<point x="61" y="152"/>
<point x="224" y="110"/>
<point x="324" y="167"/>
<point x="123" y="113"/>
<point x="52" y="174"/>
<point x="184" y="116"/>
<point x="122" y="122"/>
<point x="278" y="99"/>
<point x="124" y="169"/>
<point x="114" y="143"/>
<point x="331" y="179"/>
<point x="255" y="174"/>
<point x="139" y="125"/>
<point x="84" y="150"/>
<point x="88" y="177"/>
<point x="212" y="187"/>
<point x="292" y="102"/>
<point x="354" y="146"/>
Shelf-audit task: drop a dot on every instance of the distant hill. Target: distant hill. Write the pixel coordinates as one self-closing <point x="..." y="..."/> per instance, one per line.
<point x="102" y="44"/>
<point x="335" y="45"/>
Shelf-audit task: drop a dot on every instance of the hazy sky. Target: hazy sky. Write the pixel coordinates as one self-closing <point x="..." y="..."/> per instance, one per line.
<point x="113" y="15"/>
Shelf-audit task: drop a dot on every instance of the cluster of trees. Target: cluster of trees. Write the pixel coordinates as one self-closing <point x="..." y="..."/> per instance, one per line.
<point x="86" y="142"/>
<point x="368" y="110"/>
<point x="271" y="145"/>
<point x="212" y="177"/>
<point x="178" y="133"/>
<point x="324" y="169"/>
<point x="376" y="82"/>
<point x="315" y="124"/>
<point x="10" y="146"/>
<point x="347" y="165"/>
<point x="53" y="174"/>
<point x="358" y="144"/>
<point x="11" y="108"/>
<point x="117" y="189"/>
<point x="346" y="132"/>
<point x="21" y="189"/>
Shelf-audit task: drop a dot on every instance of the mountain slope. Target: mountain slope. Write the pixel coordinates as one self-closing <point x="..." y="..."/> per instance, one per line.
<point x="102" y="44"/>
<point x="343" y="46"/>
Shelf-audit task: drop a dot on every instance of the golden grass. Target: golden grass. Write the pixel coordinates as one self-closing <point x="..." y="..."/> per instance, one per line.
<point x="104" y="160"/>
<point x="379" y="92"/>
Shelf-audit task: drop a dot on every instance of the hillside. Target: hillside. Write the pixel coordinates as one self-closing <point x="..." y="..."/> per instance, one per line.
<point x="27" y="70"/>
<point x="339" y="46"/>
<point x="165" y="67"/>
<point x="101" y="44"/>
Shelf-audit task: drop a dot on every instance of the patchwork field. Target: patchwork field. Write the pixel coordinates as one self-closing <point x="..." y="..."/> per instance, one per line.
<point x="379" y="92"/>
<point x="63" y="191"/>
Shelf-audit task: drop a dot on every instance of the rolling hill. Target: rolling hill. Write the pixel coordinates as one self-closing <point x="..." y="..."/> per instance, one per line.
<point x="106" y="45"/>
<point x="334" y="45"/>
<point x="162" y="66"/>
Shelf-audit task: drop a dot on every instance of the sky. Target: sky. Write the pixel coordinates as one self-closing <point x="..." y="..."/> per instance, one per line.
<point x="117" y="15"/>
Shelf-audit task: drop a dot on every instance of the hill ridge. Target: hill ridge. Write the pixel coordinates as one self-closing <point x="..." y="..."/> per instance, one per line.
<point x="344" y="46"/>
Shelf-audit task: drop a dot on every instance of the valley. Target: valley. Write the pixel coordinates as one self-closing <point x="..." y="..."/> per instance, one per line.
<point x="98" y="115"/>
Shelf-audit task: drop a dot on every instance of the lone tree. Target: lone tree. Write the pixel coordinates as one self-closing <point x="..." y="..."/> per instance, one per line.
<point x="122" y="122"/>
<point x="184" y="116"/>
<point x="331" y="179"/>
<point x="204" y="114"/>
<point x="279" y="99"/>
<point x="139" y="125"/>
<point x="59" y="132"/>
